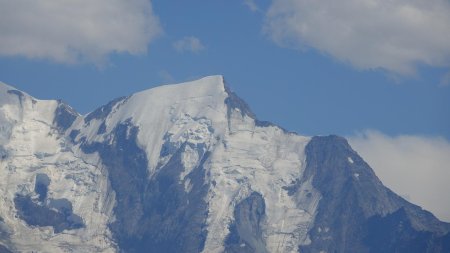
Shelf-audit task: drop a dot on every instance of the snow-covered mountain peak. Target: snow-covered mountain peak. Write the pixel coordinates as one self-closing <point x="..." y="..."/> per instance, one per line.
<point x="200" y="98"/>
<point x="10" y="95"/>
<point x="188" y="168"/>
<point x="194" y="96"/>
<point x="21" y="111"/>
<point x="4" y="86"/>
<point x="203" y="109"/>
<point x="202" y="128"/>
<point x="206" y="86"/>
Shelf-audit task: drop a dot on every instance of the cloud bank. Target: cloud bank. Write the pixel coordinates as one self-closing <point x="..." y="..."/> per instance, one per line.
<point x="71" y="31"/>
<point x="394" y="35"/>
<point x="417" y="168"/>
<point x="188" y="44"/>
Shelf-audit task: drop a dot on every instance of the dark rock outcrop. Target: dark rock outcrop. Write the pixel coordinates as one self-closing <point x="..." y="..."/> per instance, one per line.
<point x="153" y="214"/>
<point x="246" y="232"/>
<point x="38" y="215"/>
<point x="56" y="213"/>
<point x="64" y="116"/>
<point x="357" y="213"/>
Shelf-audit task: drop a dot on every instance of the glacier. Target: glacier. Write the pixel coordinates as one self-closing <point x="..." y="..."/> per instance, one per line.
<point x="189" y="168"/>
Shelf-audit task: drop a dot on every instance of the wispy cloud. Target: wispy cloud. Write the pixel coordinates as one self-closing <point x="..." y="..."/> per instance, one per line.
<point x="415" y="167"/>
<point x="368" y="34"/>
<point x="252" y="5"/>
<point x="76" y="30"/>
<point x="188" y="44"/>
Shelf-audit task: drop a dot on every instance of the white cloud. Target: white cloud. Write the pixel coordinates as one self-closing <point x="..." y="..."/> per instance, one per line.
<point x="190" y="43"/>
<point x="415" y="167"/>
<point x="71" y="31"/>
<point x="252" y="5"/>
<point x="394" y="35"/>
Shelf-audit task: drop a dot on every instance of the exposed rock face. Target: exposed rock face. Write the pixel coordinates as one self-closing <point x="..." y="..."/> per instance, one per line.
<point x="246" y="230"/>
<point x="64" y="116"/>
<point x="189" y="168"/>
<point x="357" y="213"/>
<point x="152" y="214"/>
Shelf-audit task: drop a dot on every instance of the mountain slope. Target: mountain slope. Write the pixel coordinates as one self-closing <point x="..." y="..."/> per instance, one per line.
<point x="357" y="213"/>
<point x="50" y="194"/>
<point x="189" y="168"/>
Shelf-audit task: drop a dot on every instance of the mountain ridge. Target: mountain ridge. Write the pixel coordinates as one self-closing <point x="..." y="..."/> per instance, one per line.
<point x="188" y="167"/>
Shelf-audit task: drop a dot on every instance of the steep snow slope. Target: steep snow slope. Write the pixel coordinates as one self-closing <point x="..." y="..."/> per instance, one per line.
<point x="170" y="109"/>
<point x="189" y="168"/>
<point x="244" y="157"/>
<point x="31" y="145"/>
<point x="263" y="160"/>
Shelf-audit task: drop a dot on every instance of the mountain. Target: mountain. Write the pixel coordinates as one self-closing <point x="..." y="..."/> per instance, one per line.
<point x="189" y="168"/>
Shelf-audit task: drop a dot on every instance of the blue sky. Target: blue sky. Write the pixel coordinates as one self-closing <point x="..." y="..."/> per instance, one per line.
<point x="307" y="91"/>
<point x="314" y="67"/>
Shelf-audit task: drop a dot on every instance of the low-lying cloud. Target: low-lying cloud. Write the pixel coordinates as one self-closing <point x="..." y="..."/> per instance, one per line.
<point x="417" y="168"/>
<point x="392" y="35"/>
<point x="73" y="31"/>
